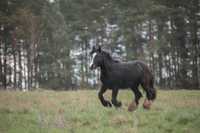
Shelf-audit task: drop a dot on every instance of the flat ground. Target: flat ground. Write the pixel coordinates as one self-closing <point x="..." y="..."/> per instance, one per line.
<point x="81" y="112"/>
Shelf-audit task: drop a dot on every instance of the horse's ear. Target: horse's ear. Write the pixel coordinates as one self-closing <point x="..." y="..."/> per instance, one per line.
<point x="98" y="48"/>
<point x="94" y="49"/>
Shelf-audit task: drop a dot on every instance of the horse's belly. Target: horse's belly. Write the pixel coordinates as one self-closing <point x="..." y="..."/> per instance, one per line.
<point x="121" y="83"/>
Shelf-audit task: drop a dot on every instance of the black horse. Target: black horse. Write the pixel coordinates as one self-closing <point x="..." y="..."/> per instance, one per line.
<point x="117" y="75"/>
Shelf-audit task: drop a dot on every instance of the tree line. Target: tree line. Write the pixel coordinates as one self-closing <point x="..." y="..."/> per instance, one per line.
<point x="46" y="43"/>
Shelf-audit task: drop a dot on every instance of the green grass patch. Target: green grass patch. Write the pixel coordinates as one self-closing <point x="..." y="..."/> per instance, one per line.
<point x="81" y="112"/>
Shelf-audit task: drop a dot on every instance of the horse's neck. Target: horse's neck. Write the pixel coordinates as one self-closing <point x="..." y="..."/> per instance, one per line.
<point x="107" y="67"/>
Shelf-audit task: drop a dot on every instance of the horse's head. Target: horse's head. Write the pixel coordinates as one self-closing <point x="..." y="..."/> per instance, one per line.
<point x="97" y="57"/>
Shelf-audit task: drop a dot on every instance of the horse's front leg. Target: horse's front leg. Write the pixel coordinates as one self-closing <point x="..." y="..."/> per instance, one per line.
<point x="101" y="98"/>
<point x="114" y="98"/>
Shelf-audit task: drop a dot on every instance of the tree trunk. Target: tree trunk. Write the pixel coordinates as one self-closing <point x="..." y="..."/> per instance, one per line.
<point x="15" y="70"/>
<point x="28" y="69"/>
<point x="194" y="37"/>
<point x="20" y="67"/>
<point x="5" y="66"/>
<point x="1" y="66"/>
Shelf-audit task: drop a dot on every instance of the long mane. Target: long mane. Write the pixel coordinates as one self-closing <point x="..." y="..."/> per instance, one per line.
<point x="108" y="56"/>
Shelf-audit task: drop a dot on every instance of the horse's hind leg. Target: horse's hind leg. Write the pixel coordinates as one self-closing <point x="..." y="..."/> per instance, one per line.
<point x="138" y="95"/>
<point x="135" y="102"/>
<point x="150" y="92"/>
<point x="101" y="98"/>
<point x="114" y="98"/>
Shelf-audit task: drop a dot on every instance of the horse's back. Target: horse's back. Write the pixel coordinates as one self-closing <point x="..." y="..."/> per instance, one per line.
<point x="136" y="66"/>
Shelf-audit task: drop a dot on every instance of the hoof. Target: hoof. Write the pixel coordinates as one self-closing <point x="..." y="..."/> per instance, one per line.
<point x="132" y="107"/>
<point x="117" y="104"/>
<point x="107" y="104"/>
<point x="147" y="104"/>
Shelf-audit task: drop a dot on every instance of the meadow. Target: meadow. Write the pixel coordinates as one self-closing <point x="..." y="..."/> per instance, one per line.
<point x="176" y="111"/>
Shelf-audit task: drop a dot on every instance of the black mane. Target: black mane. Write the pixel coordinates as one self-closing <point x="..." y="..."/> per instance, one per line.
<point x="108" y="56"/>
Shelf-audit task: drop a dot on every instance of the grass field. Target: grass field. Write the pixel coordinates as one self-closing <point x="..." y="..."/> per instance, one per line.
<point x="81" y="112"/>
